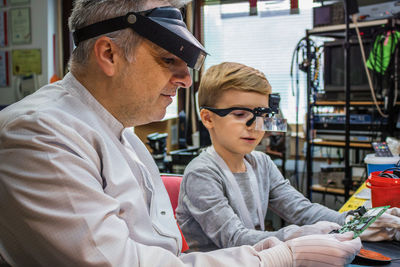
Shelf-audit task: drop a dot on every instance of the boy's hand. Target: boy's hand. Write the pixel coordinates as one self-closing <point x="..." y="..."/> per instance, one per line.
<point x="322" y="227"/>
<point x="267" y="243"/>
<point x="324" y="250"/>
<point x="386" y="227"/>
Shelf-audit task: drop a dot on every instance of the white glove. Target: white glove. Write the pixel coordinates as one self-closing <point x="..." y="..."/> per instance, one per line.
<point x="322" y="227"/>
<point x="386" y="227"/>
<point x="324" y="250"/>
<point x="273" y="252"/>
<point x="266" y="243"/>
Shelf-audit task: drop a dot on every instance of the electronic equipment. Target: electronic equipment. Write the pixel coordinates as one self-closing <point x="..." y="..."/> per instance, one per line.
<point x="363" y="137"/>
<point x="377" y="9"/>
<point x="328" y="15"/>
<point x="360" y="222"/>
<point x="364" y="127"/>
<point x="381" y="149"/>
<point x="333" y="71"/>
<point x="158" y="144"/>
<point x="333" y="13"/>
<point x="331" y="175"/>
<point x="337" y="118"/>
<point x="180" y="158"/>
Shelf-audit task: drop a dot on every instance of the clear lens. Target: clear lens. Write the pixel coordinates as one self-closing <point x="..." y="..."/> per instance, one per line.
<point x="200" y="61"/>
<point x="241" y="115"/>
<point x="272" y="124"/>
<point x="259" y="124"/>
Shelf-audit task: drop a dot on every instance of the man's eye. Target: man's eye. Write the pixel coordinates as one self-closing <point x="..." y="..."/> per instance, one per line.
<point x="168" y="60"/>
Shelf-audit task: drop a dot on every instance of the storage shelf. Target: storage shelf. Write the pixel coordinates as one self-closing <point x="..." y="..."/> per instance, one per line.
<point x="341" y="27"/>
<point x="344" y="34"/>
<point x="329" y="190"/>
<point x="342" y="144"/>
<point x="322" y="159"/>
<point x="352" y="103"/>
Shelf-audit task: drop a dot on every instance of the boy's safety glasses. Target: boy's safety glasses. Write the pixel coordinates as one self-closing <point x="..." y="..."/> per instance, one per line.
<point x="266" y="119"/>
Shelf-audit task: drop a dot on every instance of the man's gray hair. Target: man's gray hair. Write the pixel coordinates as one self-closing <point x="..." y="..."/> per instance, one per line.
<point x="86" y="12"/>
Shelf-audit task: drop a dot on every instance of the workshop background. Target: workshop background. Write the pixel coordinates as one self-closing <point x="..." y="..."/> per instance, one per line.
<point x="310" y="52"/>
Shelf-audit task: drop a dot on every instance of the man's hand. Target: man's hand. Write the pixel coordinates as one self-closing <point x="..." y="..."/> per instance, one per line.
<point x="324" y="250"/>
<point x="386" y="227"/>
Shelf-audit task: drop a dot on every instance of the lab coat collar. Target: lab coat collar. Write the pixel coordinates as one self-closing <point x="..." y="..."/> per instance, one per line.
<point x="76" y="88"/>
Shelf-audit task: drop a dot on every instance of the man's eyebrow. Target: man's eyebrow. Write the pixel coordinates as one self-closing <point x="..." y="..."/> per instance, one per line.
<point x="158" y="51"/>
<point x="163" y="53"/>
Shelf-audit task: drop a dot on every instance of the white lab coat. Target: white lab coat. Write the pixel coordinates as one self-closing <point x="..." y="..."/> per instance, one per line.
<point x="77" y="189"/>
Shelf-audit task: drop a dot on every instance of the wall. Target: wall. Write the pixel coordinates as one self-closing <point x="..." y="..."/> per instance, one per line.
<point x="43" y="26"/>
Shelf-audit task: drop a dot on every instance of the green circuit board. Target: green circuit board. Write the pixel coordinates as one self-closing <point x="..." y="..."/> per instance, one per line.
<point x="359" y="223"/>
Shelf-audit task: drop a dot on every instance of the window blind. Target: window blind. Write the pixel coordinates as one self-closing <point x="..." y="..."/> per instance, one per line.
<point x="265" y="42"/>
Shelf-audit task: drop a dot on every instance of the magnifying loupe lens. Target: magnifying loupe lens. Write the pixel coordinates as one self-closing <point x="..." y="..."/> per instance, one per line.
<point x="271" y="124"/>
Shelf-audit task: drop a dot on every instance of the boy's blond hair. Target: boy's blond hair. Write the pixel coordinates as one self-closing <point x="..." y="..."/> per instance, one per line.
<point x="230" y="76"/>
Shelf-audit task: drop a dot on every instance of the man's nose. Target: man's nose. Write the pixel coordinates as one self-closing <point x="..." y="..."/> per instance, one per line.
<point x="181" y="77"/>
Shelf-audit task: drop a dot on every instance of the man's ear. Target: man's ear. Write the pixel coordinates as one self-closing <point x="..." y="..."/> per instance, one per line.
<point x="105" y="55"/>
<point x="207" y="118"/>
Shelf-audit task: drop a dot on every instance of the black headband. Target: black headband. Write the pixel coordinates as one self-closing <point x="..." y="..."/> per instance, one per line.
<point x="163" y="26"/>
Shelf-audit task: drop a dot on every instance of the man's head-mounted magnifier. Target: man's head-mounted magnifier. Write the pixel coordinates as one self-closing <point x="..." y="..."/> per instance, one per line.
<point x="267" y="119"/>
<point x="163" y="26"/>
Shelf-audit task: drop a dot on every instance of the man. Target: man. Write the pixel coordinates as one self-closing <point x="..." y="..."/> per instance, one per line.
<point x="78" y="188"/>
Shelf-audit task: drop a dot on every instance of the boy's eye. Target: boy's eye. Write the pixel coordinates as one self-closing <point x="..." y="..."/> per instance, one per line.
<point x="239" y="114"/>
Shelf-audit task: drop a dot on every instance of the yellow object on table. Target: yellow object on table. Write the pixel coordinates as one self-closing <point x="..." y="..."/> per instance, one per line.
<point x="354" y="202"/>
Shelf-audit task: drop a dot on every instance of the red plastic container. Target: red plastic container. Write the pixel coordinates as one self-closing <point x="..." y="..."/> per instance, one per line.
<point x="384" y="191"/>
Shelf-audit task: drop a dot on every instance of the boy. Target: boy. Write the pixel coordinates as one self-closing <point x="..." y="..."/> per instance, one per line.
<point x="226" y="190"/>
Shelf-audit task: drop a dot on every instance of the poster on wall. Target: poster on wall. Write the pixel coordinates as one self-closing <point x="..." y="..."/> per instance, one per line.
<point x="3" y="29"/>
<point x="4" y="73"/>
<point x="20" y="25"/>
<point x="19" y="2"/>
<point x="26" y="61"/>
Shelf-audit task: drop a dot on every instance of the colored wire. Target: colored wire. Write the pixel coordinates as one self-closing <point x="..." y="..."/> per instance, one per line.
<point x="371" y="87"/>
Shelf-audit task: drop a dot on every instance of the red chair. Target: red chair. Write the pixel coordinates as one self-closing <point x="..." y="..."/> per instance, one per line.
<point x="172" y="183"/>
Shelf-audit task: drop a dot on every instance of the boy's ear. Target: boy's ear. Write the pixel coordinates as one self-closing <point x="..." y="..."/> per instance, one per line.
<point x="206" y="118"/>
<point x="105" y="55"/>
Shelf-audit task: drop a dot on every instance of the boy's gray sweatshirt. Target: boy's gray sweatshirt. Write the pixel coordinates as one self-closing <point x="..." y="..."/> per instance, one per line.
<point x="208" y="211"/>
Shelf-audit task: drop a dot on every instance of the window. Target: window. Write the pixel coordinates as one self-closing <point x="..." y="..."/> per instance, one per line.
<point x="265" y="41"/>
<point x="172" y="109"/>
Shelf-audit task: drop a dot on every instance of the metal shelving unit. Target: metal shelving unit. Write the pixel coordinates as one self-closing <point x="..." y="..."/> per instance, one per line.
<point x="342" y="31"/>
